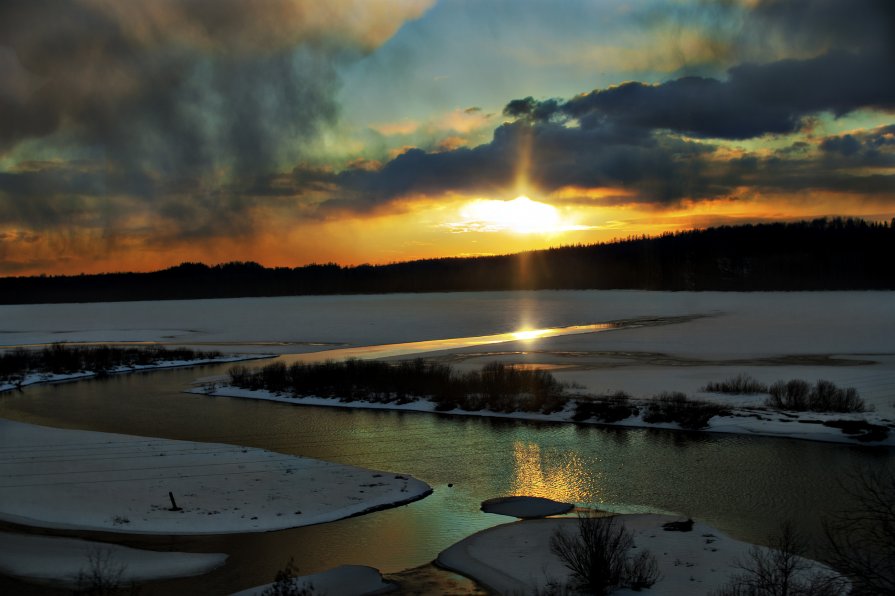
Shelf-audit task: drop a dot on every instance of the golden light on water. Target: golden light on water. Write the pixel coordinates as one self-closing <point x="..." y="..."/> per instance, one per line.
<point x="530" y="333"/>
<point x="536" y="476"/>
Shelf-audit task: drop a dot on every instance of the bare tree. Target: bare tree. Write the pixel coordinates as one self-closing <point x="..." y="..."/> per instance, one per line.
<point x="103" y="576"/>
<point x="781" y="570"/>
<point x="598" y="556"/>
<point x="287" y="583"/>
<point x="862" y="541"/>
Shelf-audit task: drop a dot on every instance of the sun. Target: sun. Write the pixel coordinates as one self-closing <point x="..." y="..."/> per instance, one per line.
<point x="521" y="215"/>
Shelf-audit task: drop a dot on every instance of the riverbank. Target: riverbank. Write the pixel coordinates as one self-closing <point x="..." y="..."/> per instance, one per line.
<point x="34" y="378"/>
<point x="754" y="421"/>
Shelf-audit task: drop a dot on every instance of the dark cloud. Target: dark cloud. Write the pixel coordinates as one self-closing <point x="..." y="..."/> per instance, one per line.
<point x="754" y="100"/>
<point x="639" y="137"/>
<point x="167" y="101"/>
<point x="181" y="100"/>
<point x="846" y="145"/>
<point x="659" y="167"/>
<point x="822" y="24"/>
<point x="662" y="169"/>
<point x="733" y="31"/>
<point x="865" y="149"/>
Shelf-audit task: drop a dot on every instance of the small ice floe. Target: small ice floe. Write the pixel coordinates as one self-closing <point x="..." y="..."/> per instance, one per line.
<point x="525" y="507"/>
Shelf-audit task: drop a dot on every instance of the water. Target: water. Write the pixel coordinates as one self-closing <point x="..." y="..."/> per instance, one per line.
<point x="744" y="486"/>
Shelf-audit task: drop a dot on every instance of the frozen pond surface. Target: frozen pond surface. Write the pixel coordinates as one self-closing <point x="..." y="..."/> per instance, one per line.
<point x="743" y="486"/>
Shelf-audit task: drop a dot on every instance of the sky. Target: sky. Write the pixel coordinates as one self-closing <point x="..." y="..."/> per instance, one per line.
<point x="138" y="135"/>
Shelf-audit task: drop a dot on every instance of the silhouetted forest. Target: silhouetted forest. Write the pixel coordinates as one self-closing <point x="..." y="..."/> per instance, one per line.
<point x="824" y="254"/>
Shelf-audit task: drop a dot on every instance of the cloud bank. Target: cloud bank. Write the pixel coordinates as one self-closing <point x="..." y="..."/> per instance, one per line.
<point x="169" y="98"/>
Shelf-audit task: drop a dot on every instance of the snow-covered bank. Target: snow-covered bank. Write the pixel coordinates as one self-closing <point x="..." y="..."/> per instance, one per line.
<point x="88" y="480"/>
<point x="66" y="561"/>
<point x="345" y="580"/>
<point x="769" y="423"/>
<point x="35" y="378"/>
<point x="516" y="559"/>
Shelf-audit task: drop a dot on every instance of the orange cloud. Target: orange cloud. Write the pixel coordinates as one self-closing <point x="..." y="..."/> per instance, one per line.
<point x="455" y="122"/>
<point x="451" y="143"/>
<point x="402" y="127"/>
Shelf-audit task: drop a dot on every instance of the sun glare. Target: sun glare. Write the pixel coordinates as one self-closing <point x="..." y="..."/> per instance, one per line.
<point x="526" y="334"/>
<point x="521" y="215"/>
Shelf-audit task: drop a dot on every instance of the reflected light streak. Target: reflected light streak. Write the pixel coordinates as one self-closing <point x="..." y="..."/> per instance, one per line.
<point x="528" y="334"/>
<point x="535" y="476"/>
<point x="434" y="345"/>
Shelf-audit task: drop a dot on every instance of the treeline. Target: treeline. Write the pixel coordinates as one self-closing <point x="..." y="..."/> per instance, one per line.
<point x="824" y="254"/>
<point x="498" y="387"/>
<point x="62" y="359"/>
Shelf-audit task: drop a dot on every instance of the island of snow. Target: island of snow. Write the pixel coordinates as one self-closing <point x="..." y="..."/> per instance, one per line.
<point x="345" y="580"/>
<point x="525" y="507"/>
<point x="98" y="481"/>
<point x="70" y="562"/>
<point x="516" y="558"/>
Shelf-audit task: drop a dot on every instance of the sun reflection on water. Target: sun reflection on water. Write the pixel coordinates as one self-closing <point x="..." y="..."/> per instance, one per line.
<point x="563" y="477"/>
<point x="524" y="334"/>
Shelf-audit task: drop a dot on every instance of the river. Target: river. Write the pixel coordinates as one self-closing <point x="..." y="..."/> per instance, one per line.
<point x="744" y="486"/>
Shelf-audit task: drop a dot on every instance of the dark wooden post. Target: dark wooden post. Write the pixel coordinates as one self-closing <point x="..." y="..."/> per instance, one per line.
<point x="174" y="506"/>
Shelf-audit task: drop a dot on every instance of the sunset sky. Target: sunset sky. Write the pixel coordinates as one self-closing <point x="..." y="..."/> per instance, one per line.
<point x="137" y="135"/>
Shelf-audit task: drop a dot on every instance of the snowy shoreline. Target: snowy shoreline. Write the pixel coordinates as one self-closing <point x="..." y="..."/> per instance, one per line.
<point x="40" y="378"/>
<point x="785" y="425"/>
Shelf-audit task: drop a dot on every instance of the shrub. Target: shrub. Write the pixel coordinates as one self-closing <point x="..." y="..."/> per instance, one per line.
<point x="608" y="408"/>
<point x="862" y="540"/>
<point x="789" y="395"/>
<point x="825" y="396"/>
<point x="498" y="386"/>
<point x="738" y="385"/>
<point x="103" y="576"/>
<point x="781" y="570"/>
<point x="286" y="583"/>
<point x="677" y="407"/>
<point x="598" y="556"/>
